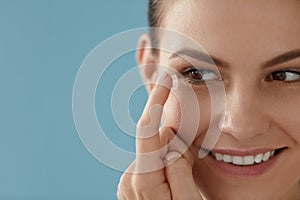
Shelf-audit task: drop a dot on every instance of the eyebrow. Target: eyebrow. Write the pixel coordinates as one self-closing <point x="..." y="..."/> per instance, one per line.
<point x="285" y="57"/>
<point x="199" y="55"/>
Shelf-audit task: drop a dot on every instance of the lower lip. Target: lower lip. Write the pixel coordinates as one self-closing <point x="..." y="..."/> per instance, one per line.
<point x="248" y="170"/>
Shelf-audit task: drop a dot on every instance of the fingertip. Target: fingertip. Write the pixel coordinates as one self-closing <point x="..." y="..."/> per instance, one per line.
<point x="161" y="78"/>
<point x="164" y="81"/>
<point x="202" y="153"/>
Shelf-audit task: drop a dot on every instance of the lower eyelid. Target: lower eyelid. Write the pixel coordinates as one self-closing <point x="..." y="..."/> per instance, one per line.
<point x="183" y="78"/>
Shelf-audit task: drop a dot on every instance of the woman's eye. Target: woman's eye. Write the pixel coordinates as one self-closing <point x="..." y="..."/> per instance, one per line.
<point x="197" y="76"/>
<point x="284" y="75"/>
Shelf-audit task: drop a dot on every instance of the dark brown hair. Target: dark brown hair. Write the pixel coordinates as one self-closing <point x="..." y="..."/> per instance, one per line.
<point x="155" y="14"/>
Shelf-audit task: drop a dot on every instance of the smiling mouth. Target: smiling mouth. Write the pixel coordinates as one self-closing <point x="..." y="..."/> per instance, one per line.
<point x="247" y="159"/>
<point x="244" y="163"/>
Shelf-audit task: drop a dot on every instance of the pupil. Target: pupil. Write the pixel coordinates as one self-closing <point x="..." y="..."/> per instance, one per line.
<point x="280" y="76"/>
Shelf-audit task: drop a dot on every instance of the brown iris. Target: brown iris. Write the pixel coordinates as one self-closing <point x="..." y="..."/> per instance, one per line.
<point x="195" y="74"/>
<point x="277" y="76"/>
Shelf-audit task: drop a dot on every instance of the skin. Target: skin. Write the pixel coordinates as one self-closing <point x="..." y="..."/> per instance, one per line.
<point x="259" y="113"/>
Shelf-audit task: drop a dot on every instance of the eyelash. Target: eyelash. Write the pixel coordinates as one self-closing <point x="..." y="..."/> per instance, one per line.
<point x="187" y="75"/>
<point x="286" y="70"/>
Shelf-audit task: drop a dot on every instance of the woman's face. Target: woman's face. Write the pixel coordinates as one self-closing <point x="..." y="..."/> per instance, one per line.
<point x="257" y="44"/>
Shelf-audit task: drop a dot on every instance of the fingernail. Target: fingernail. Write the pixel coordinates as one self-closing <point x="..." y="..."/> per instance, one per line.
<point x="161" y="78"/>
<point x="202" y="153"/>
<point x="172" y="156"/>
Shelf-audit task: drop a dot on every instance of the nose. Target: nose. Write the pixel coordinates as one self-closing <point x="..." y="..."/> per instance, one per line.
<point x="245" y="116"/>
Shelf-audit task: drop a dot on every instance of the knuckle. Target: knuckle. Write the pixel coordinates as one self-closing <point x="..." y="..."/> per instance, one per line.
<point x="124" y="184"/>
<point x="139" y="184"/>
<point x="142" y="122"/>
<point x="125" y="189"/>
<point x="125" y="180"/>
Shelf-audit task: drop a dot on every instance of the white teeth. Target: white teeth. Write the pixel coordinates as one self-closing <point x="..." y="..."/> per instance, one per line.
<point x="243" y="160"/>
<point x="272" y="153"/>
<point x="218" y="156"/>
<point x="227" y="158"/>
<point x="266" y="156"/>
<point x="248" y="160"/>
<point x="238" y="160"/>
<point x="258" y="158"/>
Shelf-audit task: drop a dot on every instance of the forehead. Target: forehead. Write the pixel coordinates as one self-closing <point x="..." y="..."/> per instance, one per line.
<point x="252" y="29"/>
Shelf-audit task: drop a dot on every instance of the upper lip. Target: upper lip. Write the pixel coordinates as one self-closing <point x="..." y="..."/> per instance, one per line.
<point x="244" y="152"/>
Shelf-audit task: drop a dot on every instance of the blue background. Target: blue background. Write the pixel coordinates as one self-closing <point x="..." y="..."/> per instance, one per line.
<point x="42" y="45"/>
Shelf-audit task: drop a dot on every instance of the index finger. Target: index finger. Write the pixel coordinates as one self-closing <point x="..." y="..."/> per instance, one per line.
<point x="147" y="139"/>
<point x="148" y="153"/>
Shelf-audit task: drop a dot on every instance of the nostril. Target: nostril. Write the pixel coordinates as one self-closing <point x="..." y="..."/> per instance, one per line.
<point x="244" y="123"/>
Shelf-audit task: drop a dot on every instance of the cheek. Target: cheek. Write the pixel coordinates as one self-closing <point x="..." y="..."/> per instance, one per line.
<point x="172" y="113"/>
<point x="284" y="111"/>
<point x="289" y="121"/>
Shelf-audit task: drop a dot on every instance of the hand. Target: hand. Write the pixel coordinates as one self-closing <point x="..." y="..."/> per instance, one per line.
<point x="172" y="178"/>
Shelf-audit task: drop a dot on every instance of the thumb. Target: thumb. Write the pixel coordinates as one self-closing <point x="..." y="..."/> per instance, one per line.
<point x="180" y="178"/>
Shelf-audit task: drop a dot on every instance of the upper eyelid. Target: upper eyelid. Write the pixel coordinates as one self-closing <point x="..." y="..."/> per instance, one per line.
<point x="201" y="69"/>
<point x="289" y="70"/>
<point x="182" y="64"/>
<point x="286" y="69"/>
